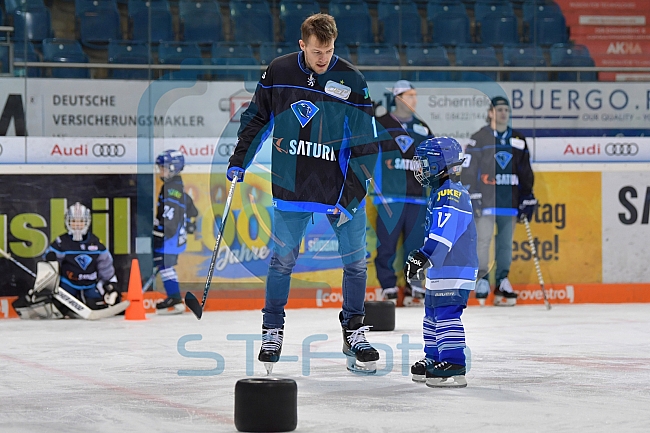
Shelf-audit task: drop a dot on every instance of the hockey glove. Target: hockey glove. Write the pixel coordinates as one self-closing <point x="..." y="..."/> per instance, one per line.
<point x="190" y="227"/>
<point x="477" y="204"/>
<point x="232" y="171"/>
<point x="527" y="205"/>
<point x="108" y="292"/>
<point x="416" y="266"/>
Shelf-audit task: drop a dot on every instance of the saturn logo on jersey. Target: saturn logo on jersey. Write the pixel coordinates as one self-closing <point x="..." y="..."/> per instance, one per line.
<point x="402" y="164"/>
<point x="304" y="111"/>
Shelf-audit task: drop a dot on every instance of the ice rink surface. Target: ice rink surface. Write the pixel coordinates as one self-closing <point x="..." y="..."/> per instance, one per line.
<point x="575" y="368"/>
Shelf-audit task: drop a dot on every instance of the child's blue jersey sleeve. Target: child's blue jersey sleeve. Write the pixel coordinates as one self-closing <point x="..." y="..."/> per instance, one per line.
<point x="449" y="213"/>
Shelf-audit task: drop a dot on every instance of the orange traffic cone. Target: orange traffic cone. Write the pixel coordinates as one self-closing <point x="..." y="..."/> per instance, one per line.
<point x="135" y="311"/>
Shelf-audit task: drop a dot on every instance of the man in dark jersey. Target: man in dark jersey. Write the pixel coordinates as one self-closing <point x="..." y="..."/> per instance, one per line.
<point x="500" y="181"/>
<point x="324" y="149"/>
<point x="399" y="197"/>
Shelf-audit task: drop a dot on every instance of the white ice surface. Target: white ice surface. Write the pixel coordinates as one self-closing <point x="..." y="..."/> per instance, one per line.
<point x="575" y="368"/>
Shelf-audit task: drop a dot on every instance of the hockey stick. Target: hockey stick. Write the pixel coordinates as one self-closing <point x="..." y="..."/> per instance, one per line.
<point x="190" y="300"/>
<point x="70" y="301"/>
<point x="536" y="260"/>
<point x="151" y="279"/>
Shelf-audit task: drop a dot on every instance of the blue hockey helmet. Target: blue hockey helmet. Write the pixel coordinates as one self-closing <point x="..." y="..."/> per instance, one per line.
<point x="173" y="161"/>
<point x="436" y="157"/>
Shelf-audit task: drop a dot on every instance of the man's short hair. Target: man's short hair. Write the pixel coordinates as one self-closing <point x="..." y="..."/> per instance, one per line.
<point x="499" y="100"/>
<point x="322" y="26"/>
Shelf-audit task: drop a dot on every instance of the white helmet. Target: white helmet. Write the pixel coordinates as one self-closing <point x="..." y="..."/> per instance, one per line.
<point x="77" y="221"/>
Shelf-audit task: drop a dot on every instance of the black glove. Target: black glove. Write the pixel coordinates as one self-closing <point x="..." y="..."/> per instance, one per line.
<point x="110" y="292"/>
<point x="527" y="205"/>
<point x="477" y="204"/>
<point x="416" y="264"/>
<point x="190" y="227"/>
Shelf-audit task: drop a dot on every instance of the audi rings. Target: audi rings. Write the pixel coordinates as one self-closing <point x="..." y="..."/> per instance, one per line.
<point x="621" y="149"/>
<point x="1" y="149"/>
<point x="109" y="150"/>
<point x="226" y="149"/>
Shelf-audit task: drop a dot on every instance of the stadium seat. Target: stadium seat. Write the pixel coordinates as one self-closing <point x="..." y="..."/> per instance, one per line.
<point x="129" y="52"/>
<point x="25" y="52"/>
<point x="423" y="55"/>
<point x="181" y="53"/>
<point x="292" y="14"/>
<point x="99" y="23"/>
<point x="32" y="23"/>
<point x="14" y="5"/>
<point x="525" y="55"/>
<point x="270" y="50"/>
<point x="496" y="23"/>
<point x="448" y="23"/>
<point x="80" y="6"/>
<point x="352" y="21"/>
<point x="161" y="18"/>
<point x="572" y="55"/>
<point x="476" y="55"/>
<point x="235" y="54"/>
<point x="544" y="23"/>
<point x="4" y="59"/>
<point x="379" y="55"/>
<point x="399" y="22"/>
<point x="200" y="21"/>
<point x="65" y="51"/>
<point x="252" y="21"/>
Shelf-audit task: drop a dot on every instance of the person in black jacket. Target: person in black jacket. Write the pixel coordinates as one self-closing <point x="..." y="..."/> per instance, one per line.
<point x="400" y="198"/>
<point x="324" y="150"/>
<point x="500" y="181"/>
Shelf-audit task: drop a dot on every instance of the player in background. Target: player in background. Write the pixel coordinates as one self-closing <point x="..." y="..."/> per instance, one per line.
<point x="175" y="214"/>
<point x="398" y="196"/>
<point x="500" y="180"/>
<point x="85" y="264"/>
<point x="324" y="149"/>
<point x="447" y="261"/>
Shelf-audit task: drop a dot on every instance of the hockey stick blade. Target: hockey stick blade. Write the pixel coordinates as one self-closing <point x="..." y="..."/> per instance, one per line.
<point x="193" y="304"/>
<point x="531" y="243"/>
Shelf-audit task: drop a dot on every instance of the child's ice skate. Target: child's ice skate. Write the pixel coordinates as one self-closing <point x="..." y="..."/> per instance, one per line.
<point x="390" y="294"/>
<point x="482" y="291"/>
<point x="170" y="306"/>
<point x="446" y="375"/>
<point x="413" y="297"/>
<point x="271" y="347"/>
<point x="419" y="369"/>
<point x="361" y="356"/>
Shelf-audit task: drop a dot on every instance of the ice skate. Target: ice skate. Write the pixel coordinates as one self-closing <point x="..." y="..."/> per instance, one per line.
<point x="419" y="369"/>
<point x="271" y="347"/>
<point x="170" y="306"/>
<point x="414" y="297"/>
<point x="504" y="295"/>
<point x="361" y="356"/>
<point x="390" y="294"/>
<point x="446" y="375"/>
<point x="482" y="291"/>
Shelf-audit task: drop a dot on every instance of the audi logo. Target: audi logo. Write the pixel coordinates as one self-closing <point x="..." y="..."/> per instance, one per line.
<point x="225" y="149"/>
<point x="621" y="149"/>
<point x="109" y="150"/>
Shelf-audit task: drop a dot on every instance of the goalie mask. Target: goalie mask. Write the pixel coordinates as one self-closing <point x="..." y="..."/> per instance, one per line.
<point x="437" y="157"/>
<point x="77" y="221"/>
<point x="169" y="164"/>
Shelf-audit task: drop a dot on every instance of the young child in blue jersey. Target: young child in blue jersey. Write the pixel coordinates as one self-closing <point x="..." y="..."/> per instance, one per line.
<point x="174" y="221"/>
<point x="448" y="261"/>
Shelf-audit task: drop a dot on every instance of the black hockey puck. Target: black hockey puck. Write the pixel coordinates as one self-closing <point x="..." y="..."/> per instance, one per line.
<point x="380" y="315"/>
<point x="266" y="405"/>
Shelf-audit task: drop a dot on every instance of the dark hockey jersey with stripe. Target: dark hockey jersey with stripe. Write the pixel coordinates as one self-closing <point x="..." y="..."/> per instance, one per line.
<point x="174" y="208"/>
<point x="82" y="264"/>
<point x="324" y="135"/>
<point x="497" y="165"/>
<point x="394" y="179"/>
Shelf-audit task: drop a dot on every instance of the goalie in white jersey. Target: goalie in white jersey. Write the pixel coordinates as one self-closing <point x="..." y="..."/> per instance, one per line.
<point x="449" y="261"/>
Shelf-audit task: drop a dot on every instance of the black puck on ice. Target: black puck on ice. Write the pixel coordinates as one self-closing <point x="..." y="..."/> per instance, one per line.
<point x="380" y="315"/>
<point x="266" y="404"/>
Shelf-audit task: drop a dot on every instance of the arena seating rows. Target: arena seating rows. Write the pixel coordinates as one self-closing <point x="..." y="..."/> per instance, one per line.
<point x="371" y="33"/>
